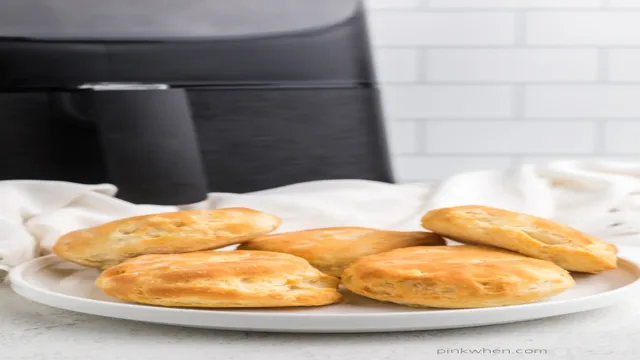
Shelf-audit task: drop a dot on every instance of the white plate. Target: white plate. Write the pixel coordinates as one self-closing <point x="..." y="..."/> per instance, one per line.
<point x="50" y="281"/>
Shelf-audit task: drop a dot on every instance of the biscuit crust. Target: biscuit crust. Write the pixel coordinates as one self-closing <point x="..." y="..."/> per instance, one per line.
<point x="220" y="279"/>
<point x="455" y="277"/>
<point x="167" y="233"/>
<point x="331" y="250"/>
<point x="525" y="234"/>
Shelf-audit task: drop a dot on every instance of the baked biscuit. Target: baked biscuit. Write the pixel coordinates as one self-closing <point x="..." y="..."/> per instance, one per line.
<point x="167" y="233"/>
<point x="526" y="234"/>
<point x="331" y="250"/>
<point x="220" y="279"/>
<point x="455" y="277"/>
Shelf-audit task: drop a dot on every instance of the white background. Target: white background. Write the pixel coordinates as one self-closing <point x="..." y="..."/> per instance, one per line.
<point x="473" y="84"/>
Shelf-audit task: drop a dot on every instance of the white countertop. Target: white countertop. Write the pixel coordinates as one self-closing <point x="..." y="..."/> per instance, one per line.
<point x="32" y="331"/>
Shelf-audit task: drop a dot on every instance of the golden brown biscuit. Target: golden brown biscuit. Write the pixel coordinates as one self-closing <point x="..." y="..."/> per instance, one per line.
<point x="167" y="233"/>
<point x="526" y="234"/>
<point x="219" y="279"/>
<point x="331" y="250"/>
<point x="455" y="277"/>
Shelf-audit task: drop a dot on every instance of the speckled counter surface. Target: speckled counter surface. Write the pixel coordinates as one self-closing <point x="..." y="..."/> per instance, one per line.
<point x="32" y="331"/>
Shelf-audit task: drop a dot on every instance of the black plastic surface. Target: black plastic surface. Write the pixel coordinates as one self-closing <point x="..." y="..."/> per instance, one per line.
<point x="249" y="139"/>
<point x="149" y="143"/>
<point x="35" y="143"/>
<point x="253" y="140"/>
<point x="267" y="111"/>
<point x="162" y="20"/>
<point x="333" y="55"/>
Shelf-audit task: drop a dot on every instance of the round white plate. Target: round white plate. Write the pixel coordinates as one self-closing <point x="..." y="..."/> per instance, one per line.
<point x="51" y="281"/>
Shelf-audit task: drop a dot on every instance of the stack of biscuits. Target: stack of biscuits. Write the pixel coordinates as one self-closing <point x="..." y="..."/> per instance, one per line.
<point x="493" y="258"/>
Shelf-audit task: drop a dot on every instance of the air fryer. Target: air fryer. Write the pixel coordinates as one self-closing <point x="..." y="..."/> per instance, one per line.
<point x="170" y="100"/>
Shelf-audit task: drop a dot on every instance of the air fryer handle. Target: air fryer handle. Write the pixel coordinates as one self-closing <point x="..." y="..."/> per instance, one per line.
<point x="150" y="145"/>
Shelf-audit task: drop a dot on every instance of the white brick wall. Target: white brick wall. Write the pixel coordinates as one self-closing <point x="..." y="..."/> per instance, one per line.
<point x="621" y="137"/>
<point x="511" y="65"/>
<point x="589" y="101"/>
<point x="420" y="168"/>
<point x="623" y="65"/>
<point x="509" y="137"/>
<point x="418" y="28"/>
<point x="477" y="84"/>
<point x="447" y="101"/>
<point x="398" y="65"/>
<point x="574" y="28"/>
<point x="513" y="3"/>
<point x="625" y="3"/>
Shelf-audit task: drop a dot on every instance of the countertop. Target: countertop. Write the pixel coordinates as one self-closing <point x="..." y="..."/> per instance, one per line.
<point x="33" y="331"/>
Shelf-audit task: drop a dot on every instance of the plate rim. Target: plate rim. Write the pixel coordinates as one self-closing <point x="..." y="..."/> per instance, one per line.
<point x="16" y="279"/>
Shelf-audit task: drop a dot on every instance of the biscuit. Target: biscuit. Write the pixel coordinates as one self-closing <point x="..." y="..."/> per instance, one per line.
<point x="168" y="233"/>
<point x="220" y="279"/>
<point x="331" y="250"/>
<point x="525" y="234"/>
<point x="455" y="277"/>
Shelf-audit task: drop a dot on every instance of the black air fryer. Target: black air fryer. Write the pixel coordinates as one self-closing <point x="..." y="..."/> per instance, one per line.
<point x="172" y="99"/>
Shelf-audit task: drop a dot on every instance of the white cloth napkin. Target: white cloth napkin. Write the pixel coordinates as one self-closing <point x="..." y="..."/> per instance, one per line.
<point x="600" y="198"/>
